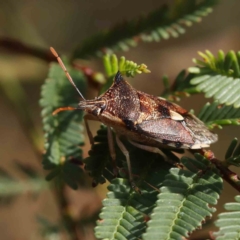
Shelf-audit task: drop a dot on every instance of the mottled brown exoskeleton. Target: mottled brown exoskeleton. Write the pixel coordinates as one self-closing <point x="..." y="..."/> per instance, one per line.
<point x="146" y="121"/>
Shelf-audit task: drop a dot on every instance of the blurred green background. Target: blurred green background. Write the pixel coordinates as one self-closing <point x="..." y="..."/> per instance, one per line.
<point x="64" y="25"/>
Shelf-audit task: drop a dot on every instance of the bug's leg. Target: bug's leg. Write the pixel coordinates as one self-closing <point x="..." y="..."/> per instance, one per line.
<point x="112" y="150"/>
<point x="126" y="154"/>
<point x="89" y="133"/>
<point x="153" y="150"/>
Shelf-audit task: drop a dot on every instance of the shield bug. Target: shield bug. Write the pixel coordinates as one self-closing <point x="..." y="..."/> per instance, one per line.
<point x="146" y="121"/>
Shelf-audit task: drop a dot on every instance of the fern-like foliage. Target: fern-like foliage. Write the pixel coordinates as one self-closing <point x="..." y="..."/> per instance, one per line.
<point x="11" y="187"/>
<point x="99" y="163"/>
<point x="127" y="68"/>
<point x="63" y="132"/>
<point x="228" y="222"/>
<point x="162" y="23"/>
<point x="47" y="229"/>
<point x="183" y="203"/>
<point x="216" y="76"/>
<point x="125" y="212"/>
<point x="218" y="115"/>
<point x="181" y="87"/>
<point x="232" y="156"/>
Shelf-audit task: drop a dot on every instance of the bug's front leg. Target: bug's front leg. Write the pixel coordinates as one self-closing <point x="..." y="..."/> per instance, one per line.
<point x="112" y="150"/>
<point x="89" y="133"/>
<point x="126" y="154"/>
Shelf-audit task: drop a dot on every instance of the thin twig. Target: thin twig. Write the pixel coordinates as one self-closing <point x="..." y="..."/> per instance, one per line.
<point x="90" y="75"/>
<point x="18" y="47"/>
<point x="231" y="177"/>
<point x="69" y="222"/>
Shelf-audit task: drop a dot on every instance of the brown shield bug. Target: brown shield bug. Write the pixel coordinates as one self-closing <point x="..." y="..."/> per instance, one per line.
<point x="146" y="121"/>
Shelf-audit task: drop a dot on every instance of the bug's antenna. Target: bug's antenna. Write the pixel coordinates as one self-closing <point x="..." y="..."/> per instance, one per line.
<point x="66" y="71"/>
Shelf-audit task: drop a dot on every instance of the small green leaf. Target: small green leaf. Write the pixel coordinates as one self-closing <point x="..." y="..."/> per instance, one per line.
<point x="217" y="76"/>
<point x="155" y="26"/>
<point x="63" y="132"/>
<point x="183" y="203"/>
<point x="217" y="115"/>
<point x="228" y="222"/>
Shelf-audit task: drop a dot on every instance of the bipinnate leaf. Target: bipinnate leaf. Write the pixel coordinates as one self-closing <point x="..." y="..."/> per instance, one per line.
<point x="219" y="115"/>
<point x="10" y="187"/>
<point x="112" y="65"/>
<point x="183" y="204"/>
<point x="125" y="211"/>
<point x="229" y="222"/>
<point x="232" y="156"/>
<point x="218" y="77"/>
<point x="63" y="132"/>
<point x="162" y="23"/>
<point x="100" y="166"/>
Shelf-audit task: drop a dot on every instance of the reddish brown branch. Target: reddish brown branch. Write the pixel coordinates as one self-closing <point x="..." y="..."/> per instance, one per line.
<point x="18" y="47"/>
<point x="231" y="177"/>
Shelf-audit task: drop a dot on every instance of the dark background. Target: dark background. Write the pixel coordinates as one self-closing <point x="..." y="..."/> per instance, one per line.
<point x="64" y="25"/>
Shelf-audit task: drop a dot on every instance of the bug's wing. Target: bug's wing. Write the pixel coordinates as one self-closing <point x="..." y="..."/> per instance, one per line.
<point x="166" y="131"/>
<point x="188" y="133"/>
<point x="171" y="124"/>
<point x="200" y="133"/>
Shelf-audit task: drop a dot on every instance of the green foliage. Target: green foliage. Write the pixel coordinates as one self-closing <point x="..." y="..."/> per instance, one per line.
<point x="218" y="115"/>
<point x="11" y="187"/>
<point x="100" y="166"/>
<point x="126" y="67"/>
<point x="162" y="23"/>
<point x="47" y="229"/>
<point x="183" y="203"/>
<point x="125" y="211"/>
<point x="181" y="87"/>
<point x="63" y="132"/>
<point x="161" y="202"/>
<point x="182" y="206"/>
<point x="232" y="156"/>
<point x="216" y="76"/>
<point x="228" y="222"/>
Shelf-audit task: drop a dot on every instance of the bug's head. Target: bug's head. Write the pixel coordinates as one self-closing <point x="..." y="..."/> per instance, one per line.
<point x="111" y="98"/>
<point x="94" y="107"/>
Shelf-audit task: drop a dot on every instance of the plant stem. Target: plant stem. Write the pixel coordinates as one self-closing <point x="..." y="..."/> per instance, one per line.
<point x="67" y="219"/>
<point x="18" y="47"/>
<point x="231" y="177"/>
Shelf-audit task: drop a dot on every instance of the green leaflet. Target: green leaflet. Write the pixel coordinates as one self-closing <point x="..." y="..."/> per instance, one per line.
<point x="125" y="211"/>
<point x="228" y="222"/>
<point x="183" y="203"/>
<point x="162" y="23"/>
<point x="232" y="156"/>
<point x="219" y="77"/>
<point x="181" y="87"/>
<point x="99" y="163"/>
<point x="127" y="68"/>
<point x="218" y="115"/>
<point x="10" y="187"/>
<point x="63" y="132"/>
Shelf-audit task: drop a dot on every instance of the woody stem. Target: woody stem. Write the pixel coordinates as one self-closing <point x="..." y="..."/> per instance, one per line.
<point x="229" y="176"/>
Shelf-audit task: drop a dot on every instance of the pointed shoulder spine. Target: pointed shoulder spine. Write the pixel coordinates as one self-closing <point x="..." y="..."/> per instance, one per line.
<point x="118" y="77"/>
